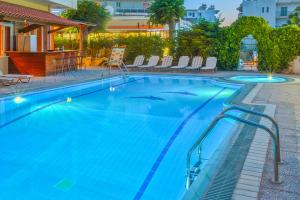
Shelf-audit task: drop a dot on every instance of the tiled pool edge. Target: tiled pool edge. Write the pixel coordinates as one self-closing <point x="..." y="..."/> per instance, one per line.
<point x="248" y="185"/>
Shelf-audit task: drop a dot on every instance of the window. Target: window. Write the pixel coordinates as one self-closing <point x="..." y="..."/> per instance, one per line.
<point x="268" y="9"/>
<point x="283" y="11"/>
<point x="118" y="4"/>
<point x="263" y="9"/>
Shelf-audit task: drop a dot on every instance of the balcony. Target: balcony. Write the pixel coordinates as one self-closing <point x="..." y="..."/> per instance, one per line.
<point x="131" y="12"/>
<point x="283" y="15"/>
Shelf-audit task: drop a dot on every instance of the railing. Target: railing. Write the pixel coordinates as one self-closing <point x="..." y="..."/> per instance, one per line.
<point x="131" y="12"/>
<point x="261" y="115"/>
<point x="223" y="115"/>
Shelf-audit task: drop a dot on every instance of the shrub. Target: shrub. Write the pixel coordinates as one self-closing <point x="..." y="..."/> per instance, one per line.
<point x="200" y="40"/>
<point x="135" y="45"/>
<point x="287" y="39"/>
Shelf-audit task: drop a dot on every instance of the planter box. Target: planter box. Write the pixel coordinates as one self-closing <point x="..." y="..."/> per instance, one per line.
<point x="3" y="64"/>
<point x="296" y="65"/>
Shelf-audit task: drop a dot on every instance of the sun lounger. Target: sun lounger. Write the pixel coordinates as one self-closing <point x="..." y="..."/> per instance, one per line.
<point x="20" y="77"/>
<point x="183" y="62"/>
<point x="8" y="81"/>
<point x="153" y="61"/>
<point x="139" y="60"/>
<point x="197" y="63"/>
<point x="166" y="62"/>
<point x="211" y="64"/>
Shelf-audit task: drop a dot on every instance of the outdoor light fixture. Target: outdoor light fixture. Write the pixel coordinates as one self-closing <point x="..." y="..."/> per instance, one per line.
<point x="270" y="77"/>
<point x="19" y="100"/>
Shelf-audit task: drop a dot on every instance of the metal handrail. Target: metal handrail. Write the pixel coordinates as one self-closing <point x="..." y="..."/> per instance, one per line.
<point x="239" y="108"/>
<point x="212" y="125"/>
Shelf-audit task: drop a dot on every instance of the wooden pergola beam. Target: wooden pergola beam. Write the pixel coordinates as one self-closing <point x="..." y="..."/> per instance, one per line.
<point x="57" y="29"/>
<point x="29" y="28"/>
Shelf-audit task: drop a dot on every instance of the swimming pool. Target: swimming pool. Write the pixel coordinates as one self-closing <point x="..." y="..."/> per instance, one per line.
<point x="119" y="138"/>
<point x="260" y="79"/>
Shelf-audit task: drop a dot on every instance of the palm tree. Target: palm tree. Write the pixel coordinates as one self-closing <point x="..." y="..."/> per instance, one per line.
<point x="167" y="12"/>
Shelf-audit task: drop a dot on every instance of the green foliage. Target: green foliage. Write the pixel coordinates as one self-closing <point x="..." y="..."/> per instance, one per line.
<point x="294" y="18"/>
<point x="200" y="40"/>
<point x="287" y="39"/>
<point x="277" y="47"/>
<point x="67" y="43"/>
<point x="167" y="12"/>
<point x="230" y="42"/>
<point x="142" y="45"/>
<point x="135" y="45"/>
<point x="89" y="11"/>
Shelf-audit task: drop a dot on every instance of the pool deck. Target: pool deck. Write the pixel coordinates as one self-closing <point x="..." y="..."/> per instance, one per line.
<point x="285" y="96"/>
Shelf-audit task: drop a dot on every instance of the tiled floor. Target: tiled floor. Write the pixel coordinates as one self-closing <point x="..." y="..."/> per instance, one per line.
<point x="38" y="83"/>
<point x="287" y="99"/>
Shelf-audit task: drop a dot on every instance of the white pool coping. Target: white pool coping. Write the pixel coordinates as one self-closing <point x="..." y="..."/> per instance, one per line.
<point x="249" y="182"/>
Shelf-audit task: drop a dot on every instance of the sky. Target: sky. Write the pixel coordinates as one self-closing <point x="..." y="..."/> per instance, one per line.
<point x="227" y="7"/>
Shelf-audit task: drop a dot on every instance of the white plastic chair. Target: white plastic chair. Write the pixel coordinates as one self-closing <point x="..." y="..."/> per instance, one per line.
<point x="153" y="61"/>
<point x="196" y="63"/>
<point x="211" y="64"/>
<point x="183" y="62"/>
<point x="139" y="60"/>
<point x="166" y="62"/>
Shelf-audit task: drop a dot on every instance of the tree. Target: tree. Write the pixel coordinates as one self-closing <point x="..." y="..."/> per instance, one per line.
<point x="91" y="12"/>
<point x="167" y="12"/>
<point x="200" y="40"/>
<point x="294" y="18"/>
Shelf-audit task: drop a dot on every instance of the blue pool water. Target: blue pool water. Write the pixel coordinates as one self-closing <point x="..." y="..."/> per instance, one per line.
<point x="111" y="139"/>
<point x="259" y="79"/>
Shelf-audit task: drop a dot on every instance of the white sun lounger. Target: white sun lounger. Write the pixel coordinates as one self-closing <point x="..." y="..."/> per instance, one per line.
<point x="153" y="61"/>
<point x="8" y="81"/>
<point x="166" y="62"/>
<point x="197" y="63"/>
<point x="139" y="60"/>
<point x="183" y="62"/>
<point x="20" y="77"/>
<point x="211" y="64"/>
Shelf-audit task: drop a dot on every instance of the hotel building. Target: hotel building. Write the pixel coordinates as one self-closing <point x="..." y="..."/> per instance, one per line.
<point x="275" y="12"/>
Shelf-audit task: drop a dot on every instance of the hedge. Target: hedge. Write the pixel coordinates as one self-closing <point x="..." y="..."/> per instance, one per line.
<point x="135" y="45"/>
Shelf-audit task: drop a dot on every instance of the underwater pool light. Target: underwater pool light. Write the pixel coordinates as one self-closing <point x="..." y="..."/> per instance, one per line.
<point x="69" y="100"/>
<point x="19" y="100"/>
<point x="112" y="89"/>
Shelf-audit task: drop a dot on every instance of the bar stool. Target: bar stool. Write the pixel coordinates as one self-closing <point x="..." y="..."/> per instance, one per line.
<point x="67" y="62"/>
<point x="74" y="61"/>
<point x="59" y="64"/>
<point x="80" y="57"/>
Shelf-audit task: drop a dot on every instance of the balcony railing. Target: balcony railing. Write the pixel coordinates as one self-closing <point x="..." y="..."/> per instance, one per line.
<point x="280" y="14"/>
<point x="131" y="12"/>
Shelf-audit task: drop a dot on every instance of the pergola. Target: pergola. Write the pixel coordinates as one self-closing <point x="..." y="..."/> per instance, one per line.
<point x="34" y="19"/>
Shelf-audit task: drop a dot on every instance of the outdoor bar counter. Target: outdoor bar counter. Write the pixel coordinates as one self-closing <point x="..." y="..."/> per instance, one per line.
<point x="38" y="63"/>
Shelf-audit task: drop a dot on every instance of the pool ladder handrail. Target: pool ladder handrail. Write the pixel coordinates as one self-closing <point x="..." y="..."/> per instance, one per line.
<point x="223" y="115"/>
<point x="271" y="119"/>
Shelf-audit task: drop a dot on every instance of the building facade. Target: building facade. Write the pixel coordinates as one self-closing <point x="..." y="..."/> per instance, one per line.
<point x="130" y="16"/>
<point x="209" y="13"/>
<point x="275" y="12"/>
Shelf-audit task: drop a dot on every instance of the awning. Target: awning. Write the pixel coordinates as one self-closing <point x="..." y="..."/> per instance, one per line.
<point x="13" y="11"/>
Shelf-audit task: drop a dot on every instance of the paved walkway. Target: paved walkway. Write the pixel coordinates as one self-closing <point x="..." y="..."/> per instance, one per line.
<point x="287" y="99"/>
<point x="38" y="83"/>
